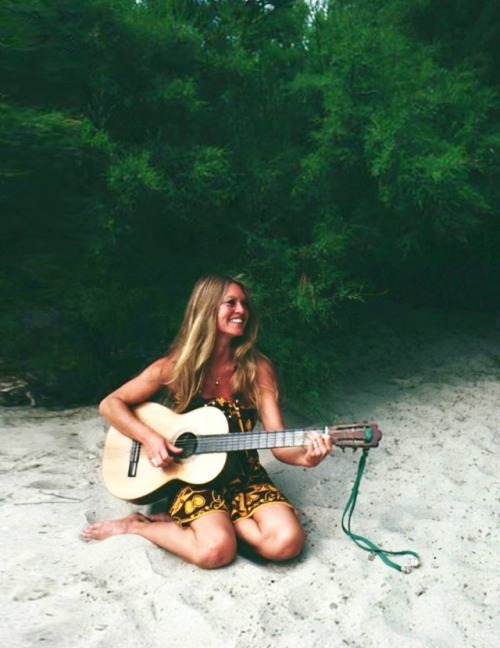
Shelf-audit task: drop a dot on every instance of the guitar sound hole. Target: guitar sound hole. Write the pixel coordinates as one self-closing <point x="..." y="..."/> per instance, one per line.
<point x="187" y="441"/>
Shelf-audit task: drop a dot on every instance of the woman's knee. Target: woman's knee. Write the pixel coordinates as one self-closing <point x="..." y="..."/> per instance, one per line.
<point x="284" y="544"/>
<point x="216" y="549"/>
<point x="213" y="555"/>
<point x="291" y="544"/>
<point x="215" y="541"/>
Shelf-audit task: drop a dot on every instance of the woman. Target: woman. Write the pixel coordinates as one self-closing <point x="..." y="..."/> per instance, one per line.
<point x="213" y="361"/>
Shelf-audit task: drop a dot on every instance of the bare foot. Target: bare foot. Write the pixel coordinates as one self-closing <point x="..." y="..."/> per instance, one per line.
<point x="103" y="530"/>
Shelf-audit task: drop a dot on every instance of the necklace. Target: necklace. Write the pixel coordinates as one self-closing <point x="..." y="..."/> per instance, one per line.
<point x="226" y="371"/>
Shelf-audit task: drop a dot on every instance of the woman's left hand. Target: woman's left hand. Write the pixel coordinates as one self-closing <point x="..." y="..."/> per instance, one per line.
<point x="318" y="447"/>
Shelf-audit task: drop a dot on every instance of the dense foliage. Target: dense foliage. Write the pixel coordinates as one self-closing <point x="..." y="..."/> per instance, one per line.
<point x="334" y="154"/>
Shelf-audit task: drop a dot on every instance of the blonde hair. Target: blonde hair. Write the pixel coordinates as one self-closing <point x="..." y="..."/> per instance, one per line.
<point x="196" y="339"/>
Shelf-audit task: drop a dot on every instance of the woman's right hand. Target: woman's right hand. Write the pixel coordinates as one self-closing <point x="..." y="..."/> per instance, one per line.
<point x="159" y="451"/>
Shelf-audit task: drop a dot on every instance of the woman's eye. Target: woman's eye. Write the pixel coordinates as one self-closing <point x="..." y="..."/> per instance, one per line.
<point x="233" y="302"/>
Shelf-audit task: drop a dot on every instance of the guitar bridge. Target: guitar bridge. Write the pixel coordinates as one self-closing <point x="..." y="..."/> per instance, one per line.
<point x="135" y="451"/>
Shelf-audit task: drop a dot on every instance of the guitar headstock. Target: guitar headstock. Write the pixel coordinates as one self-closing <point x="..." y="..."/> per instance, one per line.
<point x="355" y="435"/>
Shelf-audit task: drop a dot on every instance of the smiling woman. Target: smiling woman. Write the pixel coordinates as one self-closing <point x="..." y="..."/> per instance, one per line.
<point x="213" y="361"/>
<point x="233" y="312"/>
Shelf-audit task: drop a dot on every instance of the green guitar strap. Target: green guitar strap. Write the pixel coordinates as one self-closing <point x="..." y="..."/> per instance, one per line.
<point x="365" y="544"/>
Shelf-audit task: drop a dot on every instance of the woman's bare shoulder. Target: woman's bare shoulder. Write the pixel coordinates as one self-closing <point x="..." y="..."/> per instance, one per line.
<point x="160" y="371"/>
<point x="266" y="374"/>
<point x="264" y="365"/>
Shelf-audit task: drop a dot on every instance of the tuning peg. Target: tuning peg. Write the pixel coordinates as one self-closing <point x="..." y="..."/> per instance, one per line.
<point x="342" y="448"/>
<point x="354" y="449"/>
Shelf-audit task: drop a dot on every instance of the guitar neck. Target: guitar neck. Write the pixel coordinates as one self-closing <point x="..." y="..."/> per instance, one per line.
<point x="258" y="440"/>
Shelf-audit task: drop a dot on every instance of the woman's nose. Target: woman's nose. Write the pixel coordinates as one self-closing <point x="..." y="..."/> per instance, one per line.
<point x="239" y="307"/>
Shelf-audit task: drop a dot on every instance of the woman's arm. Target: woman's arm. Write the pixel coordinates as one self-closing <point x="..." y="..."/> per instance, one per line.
<point x="318" y="447"/>
<point x="117" y="409"/>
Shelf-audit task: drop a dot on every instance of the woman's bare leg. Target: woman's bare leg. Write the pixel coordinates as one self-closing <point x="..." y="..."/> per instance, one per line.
<point x="208" y="542"/>
<point x="274" y="532"/>
<point x="108" y="528"/>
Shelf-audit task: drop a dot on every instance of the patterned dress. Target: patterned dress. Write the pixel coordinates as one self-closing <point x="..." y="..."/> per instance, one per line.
<point x="243" y="485"/>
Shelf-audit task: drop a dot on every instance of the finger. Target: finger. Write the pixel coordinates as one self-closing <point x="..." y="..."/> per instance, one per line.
<point x="319" y="447"/>
<point x="312" y="446"/>
<point x="173" y="449"/>
<point x="324" y="442"/>
<point x="160" y="462"/>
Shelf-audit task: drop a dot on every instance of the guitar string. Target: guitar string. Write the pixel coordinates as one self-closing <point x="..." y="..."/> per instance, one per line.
<point x="255" y="440"/>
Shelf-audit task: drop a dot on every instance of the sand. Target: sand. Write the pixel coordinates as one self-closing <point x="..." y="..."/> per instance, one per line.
<point x="431" y="383"/>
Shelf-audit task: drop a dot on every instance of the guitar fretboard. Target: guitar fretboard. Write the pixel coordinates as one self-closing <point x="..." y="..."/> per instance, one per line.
<point x="278" y="439"/>
<point x="250" y="441"/>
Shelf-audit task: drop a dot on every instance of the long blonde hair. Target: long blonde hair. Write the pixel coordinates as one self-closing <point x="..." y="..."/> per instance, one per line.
<point x="196" y="339"/>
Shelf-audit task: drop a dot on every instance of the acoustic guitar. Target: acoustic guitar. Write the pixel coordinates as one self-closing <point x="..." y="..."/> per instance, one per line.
<point x="204" y="437"/>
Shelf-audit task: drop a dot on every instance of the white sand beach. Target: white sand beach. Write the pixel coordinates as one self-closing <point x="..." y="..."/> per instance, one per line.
<point x="433" y="386"/>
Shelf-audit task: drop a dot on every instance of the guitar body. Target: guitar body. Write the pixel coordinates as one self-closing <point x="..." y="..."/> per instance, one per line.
<point x="146" y="485"/>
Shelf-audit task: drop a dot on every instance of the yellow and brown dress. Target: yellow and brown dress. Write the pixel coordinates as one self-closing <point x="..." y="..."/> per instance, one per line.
<point x="242" y="486"/>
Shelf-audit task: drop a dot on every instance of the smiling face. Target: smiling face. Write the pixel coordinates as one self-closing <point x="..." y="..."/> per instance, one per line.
<point x="232" y="315"/>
